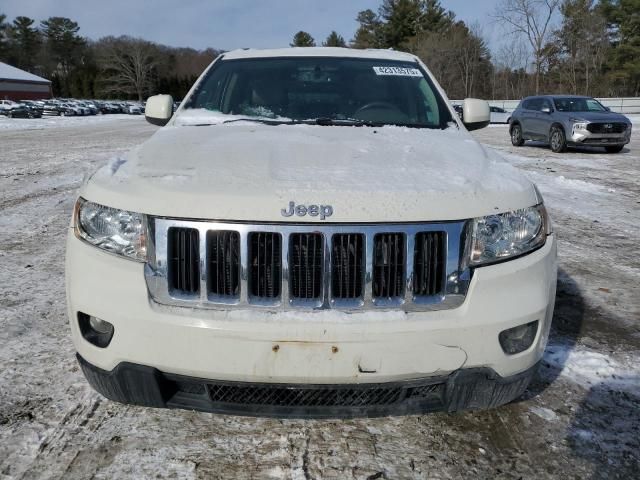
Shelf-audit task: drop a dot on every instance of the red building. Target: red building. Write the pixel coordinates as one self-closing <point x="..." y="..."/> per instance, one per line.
<point x="16" y="84"/>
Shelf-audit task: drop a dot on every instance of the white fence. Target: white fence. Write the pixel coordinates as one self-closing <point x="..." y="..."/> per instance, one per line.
<point x="620" y="105"/>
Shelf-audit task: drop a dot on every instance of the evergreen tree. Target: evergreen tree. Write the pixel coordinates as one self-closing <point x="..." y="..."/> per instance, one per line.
<point x="303" y="39"/>
<point x="334" y="40"/>
<point x="401" y="21"/>
<point x="623" y="18"/>
<point x="4" y="44"/>
<point x="64" y="48"/>
<point x="25" y="43"/>
<point x="369" y="34"/>
<point x="434" y="17"/>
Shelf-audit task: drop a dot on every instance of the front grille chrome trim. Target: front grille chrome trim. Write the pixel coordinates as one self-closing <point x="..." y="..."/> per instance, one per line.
<point x="458" y="275"/>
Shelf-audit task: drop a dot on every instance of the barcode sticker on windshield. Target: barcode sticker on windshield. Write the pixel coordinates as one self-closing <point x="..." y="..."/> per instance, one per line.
<point x="398" y="71"/>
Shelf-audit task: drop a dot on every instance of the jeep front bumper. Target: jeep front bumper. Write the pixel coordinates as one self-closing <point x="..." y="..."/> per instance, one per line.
<point x="331" y="349"/>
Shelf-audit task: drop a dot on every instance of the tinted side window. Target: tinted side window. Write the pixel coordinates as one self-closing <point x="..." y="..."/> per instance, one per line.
<point x="546" y="103"/>
<point x="533" y="104"/>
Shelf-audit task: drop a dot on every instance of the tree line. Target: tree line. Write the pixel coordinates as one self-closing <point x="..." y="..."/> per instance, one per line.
<point x="111" y="67"/>
<point x="589" y="47"/>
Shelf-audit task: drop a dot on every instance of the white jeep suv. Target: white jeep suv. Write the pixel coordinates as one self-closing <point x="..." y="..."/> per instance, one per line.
<point x="314" y="233"/>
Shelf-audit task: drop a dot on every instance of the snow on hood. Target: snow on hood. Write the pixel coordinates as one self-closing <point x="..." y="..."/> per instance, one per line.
<point x="251" y="171"/>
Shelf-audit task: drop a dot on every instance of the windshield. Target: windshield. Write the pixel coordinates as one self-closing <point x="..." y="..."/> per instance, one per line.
<point x="571" y="104"/>
<point x="335" y="90"/>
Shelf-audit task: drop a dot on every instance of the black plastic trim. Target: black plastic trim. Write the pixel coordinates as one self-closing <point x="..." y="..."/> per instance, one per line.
<point x="473" y="388"/>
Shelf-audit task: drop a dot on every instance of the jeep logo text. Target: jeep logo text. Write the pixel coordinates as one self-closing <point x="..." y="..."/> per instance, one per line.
<point x="323" y="211"/>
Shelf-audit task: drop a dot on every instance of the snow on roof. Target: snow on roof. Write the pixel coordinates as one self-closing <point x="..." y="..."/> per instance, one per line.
<point x="7" y="72"/>
<point x="321" y="52"/>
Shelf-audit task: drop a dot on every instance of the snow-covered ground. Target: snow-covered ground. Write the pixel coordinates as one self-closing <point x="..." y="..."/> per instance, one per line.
<point x="579" y="418"/>
<point x="57" y="122"/>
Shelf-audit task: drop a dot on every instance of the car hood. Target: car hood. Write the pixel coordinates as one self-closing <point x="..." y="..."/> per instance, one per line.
<point x="250" y="172"/>
<point x="598" y="116"/>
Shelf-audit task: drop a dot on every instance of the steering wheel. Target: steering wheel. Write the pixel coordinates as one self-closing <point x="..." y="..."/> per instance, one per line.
<point x="372" y="105"/>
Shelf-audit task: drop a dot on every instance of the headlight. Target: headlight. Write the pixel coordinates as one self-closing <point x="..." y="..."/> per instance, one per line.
<point x="113" y="230"/>
<point x="580" y="126"/>
<point x="505" y="235"/>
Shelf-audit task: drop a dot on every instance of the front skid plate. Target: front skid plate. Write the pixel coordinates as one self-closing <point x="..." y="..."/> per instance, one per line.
<point x="473" y="388"/>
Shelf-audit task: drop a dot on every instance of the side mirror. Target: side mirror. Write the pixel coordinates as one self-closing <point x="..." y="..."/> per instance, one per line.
<point x="545" y="109"/>
<point x="475" y="113"/>
<point x="159" y="109"/>
<point x="607" y="109"/>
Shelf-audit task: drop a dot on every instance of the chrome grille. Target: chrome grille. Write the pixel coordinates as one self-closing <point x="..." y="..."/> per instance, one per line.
<point x="223" y="260"/>
<point x="305" y="265"/>
<point x="184" y="260"/>
<point x="265" y="264"/>
<point x="347" y="265"/>
<point x="389" y="266"/>
<point x="340" y="266"/>
<point x="428" y="265"/>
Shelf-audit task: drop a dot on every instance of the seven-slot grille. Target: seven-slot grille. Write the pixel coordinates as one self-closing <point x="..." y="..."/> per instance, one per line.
<point x="335" y="266"/>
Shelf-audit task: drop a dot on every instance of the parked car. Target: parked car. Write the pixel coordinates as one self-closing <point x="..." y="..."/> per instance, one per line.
<point x="51" y="109"/>
<point x="499" y="115"/>
<point x="458" y="110"/>
<point x="134" y="109"/>
<point x="264" y="256"/>
<point x="71" y="110"/>
<point x="13" y="109"/>
<point x="35" y="109"/>
<point x="569" y="120"/>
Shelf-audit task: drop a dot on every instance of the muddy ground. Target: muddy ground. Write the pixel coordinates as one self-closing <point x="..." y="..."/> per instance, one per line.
<point x="579" y="419"/>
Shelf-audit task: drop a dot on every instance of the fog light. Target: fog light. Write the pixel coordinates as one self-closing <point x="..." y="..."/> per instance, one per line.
<point x="518" y="339"/>
<point x="96" y="331"/>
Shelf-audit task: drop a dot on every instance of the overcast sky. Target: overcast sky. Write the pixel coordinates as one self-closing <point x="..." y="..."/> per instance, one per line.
<point x="222" y="24"/>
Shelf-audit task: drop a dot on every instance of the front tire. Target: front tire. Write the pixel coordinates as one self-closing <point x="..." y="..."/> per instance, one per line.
<point x="614" y="148"/>
<point x="516" y="136"/>
<point x="557" y="139"/>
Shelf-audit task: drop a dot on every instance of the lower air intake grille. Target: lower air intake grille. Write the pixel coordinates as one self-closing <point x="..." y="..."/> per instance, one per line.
<point x="347" y="265"/>
<point x="223" y="253"/>
<point x="305" y="265"/>
<point x="184" y="260"/>
<point x="388" y="265"/>
<point x="265" y="264"/>
<point x="429" y="264"/>
<point x="316" y="396"/>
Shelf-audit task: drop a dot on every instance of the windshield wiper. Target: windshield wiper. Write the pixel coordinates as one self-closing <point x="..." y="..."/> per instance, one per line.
<point x="348" y="122"/>
<point x="266" y="121"/>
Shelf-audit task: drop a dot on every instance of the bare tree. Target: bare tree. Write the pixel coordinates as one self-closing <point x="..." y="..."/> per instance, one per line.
<point x="530" y="19"/>
<point x="129" y="65"/>
<point x="470" y="50"/>
<point x="511" y="67"/>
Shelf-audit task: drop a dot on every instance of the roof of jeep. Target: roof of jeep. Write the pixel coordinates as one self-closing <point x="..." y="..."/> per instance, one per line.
<point x="320" y="52"/>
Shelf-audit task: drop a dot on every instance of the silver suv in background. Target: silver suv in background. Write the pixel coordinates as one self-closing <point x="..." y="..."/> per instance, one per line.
<point x="569" y="120"/>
